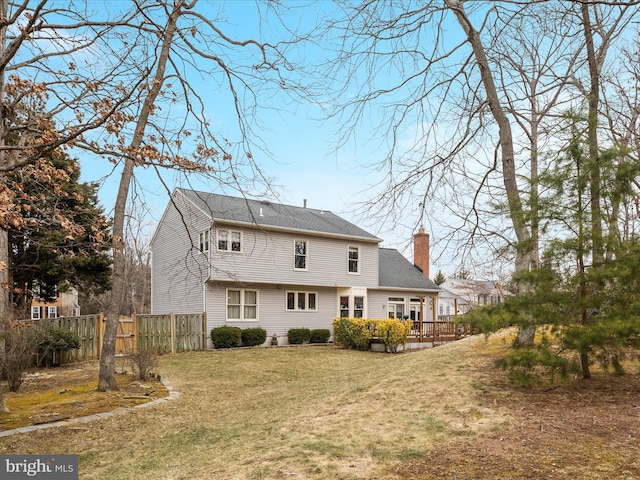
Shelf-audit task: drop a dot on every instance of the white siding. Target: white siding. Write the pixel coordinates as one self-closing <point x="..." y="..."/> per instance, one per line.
<point x="269" y="257"/>
<point x="272" y="310"/>
<point x="179" y="269"/>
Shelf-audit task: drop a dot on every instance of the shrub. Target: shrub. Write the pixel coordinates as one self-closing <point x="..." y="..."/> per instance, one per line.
<point x="253" y="336"/>
<point x="393" y="333"/>
<point x="226" y="337"/>
<point x="298" y="336"/>
<point x="143" y="364"/>
<point x="320" y="335"/>
<point x="55" y="339"/>
<point x="353" y="332"/>
<point x="20" y="345"/>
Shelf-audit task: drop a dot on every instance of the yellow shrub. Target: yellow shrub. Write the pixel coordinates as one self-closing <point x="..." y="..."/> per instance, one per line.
<point x="393" y="333"/>
<point x="353" y="332"/>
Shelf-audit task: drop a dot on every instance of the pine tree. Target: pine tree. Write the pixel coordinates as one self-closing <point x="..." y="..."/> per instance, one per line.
<point x="590" y="309"/>
<point x="63" y="238"/>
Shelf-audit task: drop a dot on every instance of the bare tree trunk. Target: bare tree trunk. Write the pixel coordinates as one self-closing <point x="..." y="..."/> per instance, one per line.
<point x="5" y="307"/>
<point x="107" y="380"/>
<point x="524" y="251"/>
<point x="594" y="154"/>
<point x="5" y="291"/>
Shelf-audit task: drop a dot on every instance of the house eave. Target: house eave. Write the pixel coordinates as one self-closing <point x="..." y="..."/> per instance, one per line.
<point x="407" y="289"/>
<point x="315" y="233"/>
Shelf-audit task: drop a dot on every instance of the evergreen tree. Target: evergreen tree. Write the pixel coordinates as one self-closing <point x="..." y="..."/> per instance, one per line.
<point x="439" y="278"/>
<point x="588" y="309"/>
<point x="63" y="239"/>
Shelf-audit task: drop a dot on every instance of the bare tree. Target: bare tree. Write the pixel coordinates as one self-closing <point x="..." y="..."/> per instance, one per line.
<point x="185" y="44"/>
<point x="473" y="82"/>
<point x="47" y="51"/>
<point x="122" y="108"/>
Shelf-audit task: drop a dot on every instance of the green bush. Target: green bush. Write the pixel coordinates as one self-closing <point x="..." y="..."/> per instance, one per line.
<point x="320" y="335"/>
<point x="353" y="333"/>
<point x="298" y="336"/>
<point x="226" y="337"/>
<point x="253" y="336"/>
<point x="51" y="339"/>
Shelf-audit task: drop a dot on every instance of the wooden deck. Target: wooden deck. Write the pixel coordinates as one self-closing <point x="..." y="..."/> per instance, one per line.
<point x="442" y="332"/>
<point x="436" y="333"/>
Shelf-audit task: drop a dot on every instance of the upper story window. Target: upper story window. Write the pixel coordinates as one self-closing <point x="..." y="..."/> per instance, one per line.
<point x="354" y="259"/>
<point x="229" y="240"/>
<point x="35" y="313"/>
<point x="52" y="312"/>
<point x="203" y="240"/>
<point x="300" y="254"/>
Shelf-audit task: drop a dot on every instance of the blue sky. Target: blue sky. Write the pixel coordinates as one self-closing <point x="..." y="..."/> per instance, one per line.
<point x="303" y="162"/>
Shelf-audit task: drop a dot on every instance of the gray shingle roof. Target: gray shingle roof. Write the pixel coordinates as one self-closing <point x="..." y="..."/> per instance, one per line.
<point x="397" y="272"/>
<point x="235" y="210"/>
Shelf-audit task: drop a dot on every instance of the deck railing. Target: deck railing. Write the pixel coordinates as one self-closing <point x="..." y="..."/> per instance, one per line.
<point x="439" y="332"/>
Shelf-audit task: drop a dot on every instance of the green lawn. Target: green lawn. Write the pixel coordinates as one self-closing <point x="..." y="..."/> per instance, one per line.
<point x="273" y="413"/>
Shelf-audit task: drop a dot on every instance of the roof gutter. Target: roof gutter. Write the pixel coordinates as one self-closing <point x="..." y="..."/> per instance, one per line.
<point x="314" y="233"/>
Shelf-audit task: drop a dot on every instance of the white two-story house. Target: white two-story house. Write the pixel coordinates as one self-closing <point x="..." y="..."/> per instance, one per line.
<point x="252" y="263"/>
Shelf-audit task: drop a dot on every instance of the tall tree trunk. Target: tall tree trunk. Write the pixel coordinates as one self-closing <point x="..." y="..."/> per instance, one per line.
<point x="524" y="251"/>
<point x="594" y="154"/>
<point x="597" y="253"/>
<point x="107" y="379"/>
<point x="5" y="298"/>
<point x="5" y="260"/>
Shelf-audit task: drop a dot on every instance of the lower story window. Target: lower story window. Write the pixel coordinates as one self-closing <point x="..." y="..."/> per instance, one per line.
<point x="242" y="304"/>
<point x="358" y="306"/>
<point x="344" y="306"/>
<point x="302" y="301"/>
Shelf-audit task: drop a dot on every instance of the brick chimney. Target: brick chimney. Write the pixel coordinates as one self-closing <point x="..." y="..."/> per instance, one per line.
<point x="421" y="251"/>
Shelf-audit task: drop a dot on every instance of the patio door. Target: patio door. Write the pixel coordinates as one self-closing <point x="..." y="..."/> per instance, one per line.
<point x="395" y="307"/>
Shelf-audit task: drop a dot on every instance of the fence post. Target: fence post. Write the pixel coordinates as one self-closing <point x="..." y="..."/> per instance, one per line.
<point x="134" y="332"/>
<point x="204" y="330"/>
<point x="99" y="319"/>
<point x="172" y="330"/>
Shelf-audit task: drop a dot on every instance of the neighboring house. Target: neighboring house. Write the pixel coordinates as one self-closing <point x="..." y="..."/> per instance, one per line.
<point x="64" y="305"/>
<point x="252" y="263"/>
<point x="451" y="305"/>
<point x="466" y="294"/>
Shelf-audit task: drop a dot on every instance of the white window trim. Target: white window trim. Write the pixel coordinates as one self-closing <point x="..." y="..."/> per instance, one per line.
<point x="359" y="260"/>
<point x="50" y="310"/>
<point x="306" y="255"/>
<point x="35" y="309"/>
<point x="204" y="241"/>
<point x="242" y="305"/>
<point x="230" y="232"/>
<point x="295" y="301"/>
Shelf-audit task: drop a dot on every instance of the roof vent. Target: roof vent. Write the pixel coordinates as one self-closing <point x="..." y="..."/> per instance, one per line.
<point x="304" y="201"/>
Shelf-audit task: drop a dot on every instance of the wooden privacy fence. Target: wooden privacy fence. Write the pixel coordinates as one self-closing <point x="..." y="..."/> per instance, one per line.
<point x="170" y="333"/>
<point x="87" y="327"/>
